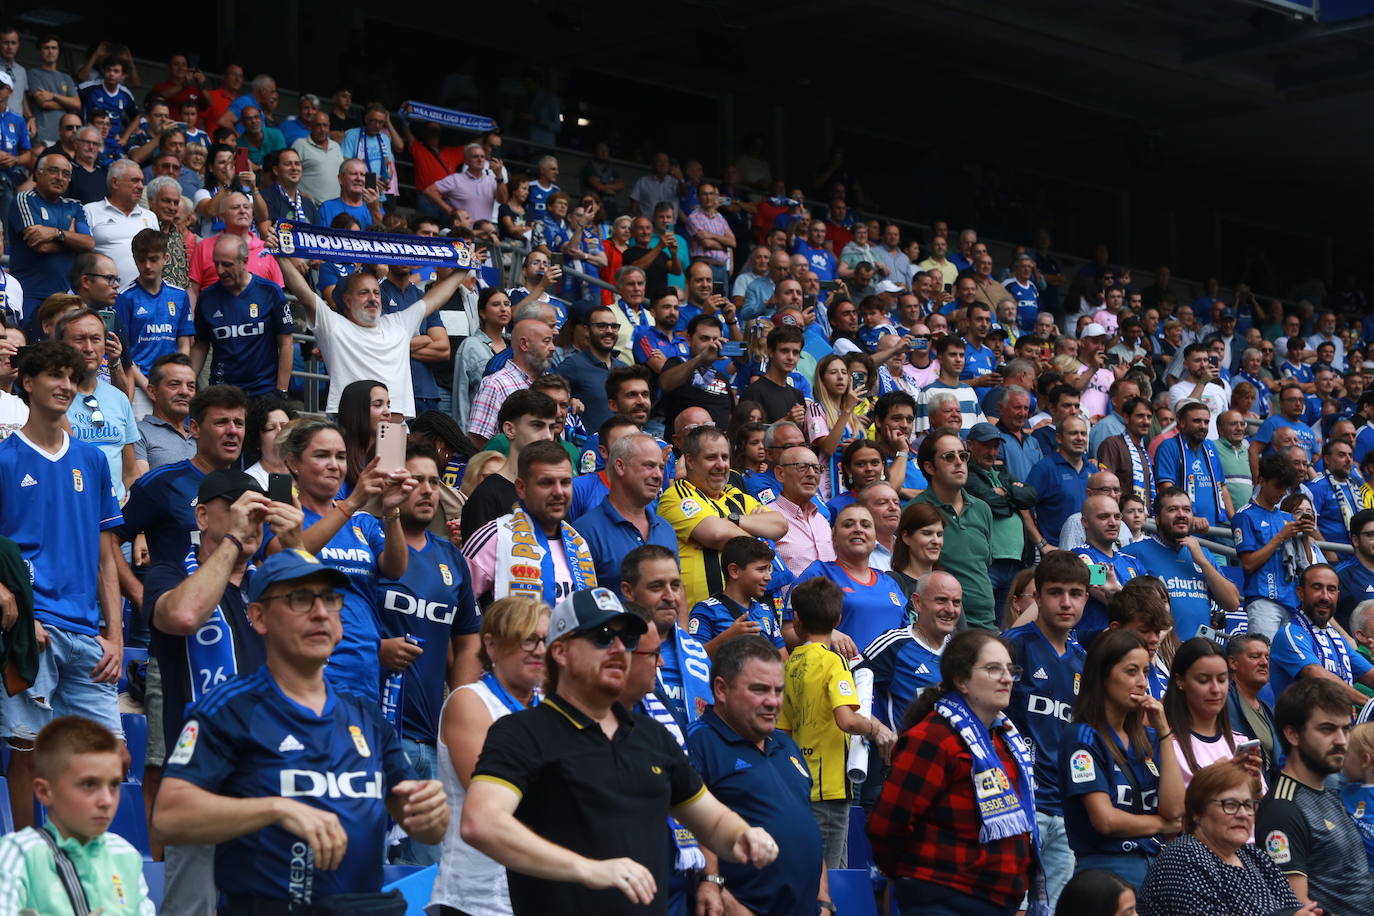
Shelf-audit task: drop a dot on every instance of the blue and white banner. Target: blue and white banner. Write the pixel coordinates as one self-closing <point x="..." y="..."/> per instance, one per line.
<point x="448" y="117"/>
<point x="303" y="240"/>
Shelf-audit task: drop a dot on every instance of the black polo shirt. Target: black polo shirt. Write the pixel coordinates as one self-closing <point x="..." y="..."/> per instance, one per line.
<point x="776" y="400"/>
<point x="603" y="798"/>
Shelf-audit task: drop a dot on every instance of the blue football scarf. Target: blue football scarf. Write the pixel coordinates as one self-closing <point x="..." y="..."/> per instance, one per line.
<point x="210" y="657"/>
<point x="694" y="673"/>
<point x="1004" y="811"/>
<point x="689" y="856"/>
<point x="499" y="691"/>
<point x="1330" y="647"/>
<point x="303" y="240"/>
<point x="1138" y="464"/>
<point x="448" y="117"/>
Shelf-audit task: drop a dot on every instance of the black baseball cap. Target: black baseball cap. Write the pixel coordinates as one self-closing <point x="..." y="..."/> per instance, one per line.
<point x="226" y="484"/>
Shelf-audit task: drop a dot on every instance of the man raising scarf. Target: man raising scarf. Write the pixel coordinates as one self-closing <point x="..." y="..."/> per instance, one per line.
<point x="201" y="634"/>
<point x="1309" y="645"/>
<point x="955" y="823"/>
<point x="532" y="551"/>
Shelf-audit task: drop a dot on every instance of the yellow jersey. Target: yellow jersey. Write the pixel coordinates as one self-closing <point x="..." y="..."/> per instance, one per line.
<point x="816" y="681"/>
<point x="684" y="507"/>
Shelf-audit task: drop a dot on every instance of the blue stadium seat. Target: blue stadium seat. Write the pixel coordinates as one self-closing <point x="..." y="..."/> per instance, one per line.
<point x="417" y="885"/>
<point x="130" y="822"/>
<point x="136" y="736"/>
<point x="851" y="890"/>
<point x="152" y="876"/>
<point x="860" y="850"/>
<point x="6" y="815"/>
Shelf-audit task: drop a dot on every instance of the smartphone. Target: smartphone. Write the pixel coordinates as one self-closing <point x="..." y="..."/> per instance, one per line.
<point x="279" y="488"/>
<point x="1112" y="359"/>
<point x="556" y="259"/>
<point x="108" y="316"/>
<point x="370" y="181"/>
<point x="241" y="163"/>
<point x="1216" y="636"/>
<point x="718" y="288"/>
<point x="808" y="301"/>
<point x="829" y="285"/>
<point x="1214" y="360"/>
<point x="858" y="381"/>
<point x="732" y="348"/>
<point x="1097" y="574"/>
<point x="949" y="287"/>
<point x="1248" y="747"/>
<point x="920" y="343"/>
<point x="391" y="446"/>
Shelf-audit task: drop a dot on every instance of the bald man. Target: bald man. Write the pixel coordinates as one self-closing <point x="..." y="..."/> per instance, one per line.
<point x="1100" y="483"/>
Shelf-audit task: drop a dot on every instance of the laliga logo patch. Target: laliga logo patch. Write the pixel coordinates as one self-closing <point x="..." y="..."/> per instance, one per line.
<point x="359" y="741"/>
<point x="1081" y="767"/>
<point x="186" y="743"/>
<point x="1276" y="844"/>
<point x="691" y="508"/>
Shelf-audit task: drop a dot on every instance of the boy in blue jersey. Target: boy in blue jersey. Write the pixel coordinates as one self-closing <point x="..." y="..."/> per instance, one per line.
<point x="247" y="320"/>
<point x="292" y="780"/>
<point x="1262" y="533"/>
<point x="432" y="601"/>
<point x="156" y="314"/>
<point x="109" y="94"/>
<point x="737" y="610"/>
<point x="1042" y="700"/>
<point x="57" y="504"/>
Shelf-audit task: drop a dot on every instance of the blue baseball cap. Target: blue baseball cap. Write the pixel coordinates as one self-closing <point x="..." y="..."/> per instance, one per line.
<point x="588" y="609"/>
<point x="287" y="565"/>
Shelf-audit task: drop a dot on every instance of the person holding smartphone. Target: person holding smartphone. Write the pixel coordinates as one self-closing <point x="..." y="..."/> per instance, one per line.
<point x="1195" y="704"/>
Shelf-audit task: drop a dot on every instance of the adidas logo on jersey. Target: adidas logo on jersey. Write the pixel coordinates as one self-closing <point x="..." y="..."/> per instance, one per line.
<point x="1039" y="674"/>
<point x="218" y="314"/>
<point x="922" y="669"/>
<point x="142" y="312"/>
<point x="742" y="764"/>
<point x="28" y="481"/>
<point x="289" y="743"/>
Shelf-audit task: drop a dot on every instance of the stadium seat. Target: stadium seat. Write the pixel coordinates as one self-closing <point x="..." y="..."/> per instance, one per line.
<point x="6" y="815"/>
<point x="136" y="736"/>
<point x="860" y="851"/>
<point x="152" y="876"/>
<point x="130" y="822"/>
<point x="416" y="885"/>
<point x="851" y="890"/>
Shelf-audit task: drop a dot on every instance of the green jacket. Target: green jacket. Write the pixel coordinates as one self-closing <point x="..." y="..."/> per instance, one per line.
<point x="19" y="647"/>
<point x="111" y="873"/>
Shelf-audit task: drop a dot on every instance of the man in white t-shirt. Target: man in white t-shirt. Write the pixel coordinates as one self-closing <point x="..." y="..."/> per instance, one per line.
<point x="362" y="342"/>
<point x="14" y="413"/>
<point x="1201" y="382"/>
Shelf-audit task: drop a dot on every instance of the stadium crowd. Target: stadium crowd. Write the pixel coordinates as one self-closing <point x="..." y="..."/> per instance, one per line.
<point x="741" y="517"/>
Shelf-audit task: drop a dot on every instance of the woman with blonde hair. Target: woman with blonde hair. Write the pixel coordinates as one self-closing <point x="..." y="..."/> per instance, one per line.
<point x="513" y="637"/>
<point x="615" y="246"/>
<point x="480" y="466"/>
<point x="833" y="418"/>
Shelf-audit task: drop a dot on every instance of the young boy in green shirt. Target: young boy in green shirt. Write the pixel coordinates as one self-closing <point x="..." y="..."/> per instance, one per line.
<point x="78" y="769"/>
<point x="820" y="710"/>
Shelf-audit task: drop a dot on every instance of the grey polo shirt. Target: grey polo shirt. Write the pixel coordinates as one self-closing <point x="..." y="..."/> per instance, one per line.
<point x="161" y="443"/>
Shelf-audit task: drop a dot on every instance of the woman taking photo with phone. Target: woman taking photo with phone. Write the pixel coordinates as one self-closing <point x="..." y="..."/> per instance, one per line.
<point x="832" y="419"/>
<point x="362" y="405"/>
<point x="1122" y="785"/>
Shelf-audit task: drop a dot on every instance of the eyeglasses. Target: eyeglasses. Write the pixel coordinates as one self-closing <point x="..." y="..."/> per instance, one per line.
<point x="302" y="600"/>
<point x="803" y="467"/>
<point x="93" y="406"/>
<point x="655" y="655"/>
<point x="997" y="672"/>
<point x="1233" y="805"/>
<point x="67" y="127"/>
<point x="531" y="643"/>
<point x="112" y="279"/>
<point x="59" y="172"/>
<point x="605" y="325"/>
<point x="959" y="457"/>
<point x="602" y="637"/>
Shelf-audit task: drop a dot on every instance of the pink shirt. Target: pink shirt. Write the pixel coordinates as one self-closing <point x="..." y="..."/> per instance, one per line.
<point x="808" y="535"/>
<point x="260" y="262"/>
<point x="463" y="192"/>
<point x="482" y="562"/>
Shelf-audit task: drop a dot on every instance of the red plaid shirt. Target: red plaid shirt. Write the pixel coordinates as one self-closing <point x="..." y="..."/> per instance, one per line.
<point x="925" y="825"/>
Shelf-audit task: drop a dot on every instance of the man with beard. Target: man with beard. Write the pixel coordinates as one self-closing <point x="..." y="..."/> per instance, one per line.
<point x="1302" y="823"/>
<point x="1188" y="570"/>
<point x="1309" y="647"/>
<point x="578" y="823"/>
<point x="587" y="369"/>
<point x="1191" y="462"/>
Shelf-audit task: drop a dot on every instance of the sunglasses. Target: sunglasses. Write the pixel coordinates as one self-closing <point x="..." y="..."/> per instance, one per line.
<point x="959" y="457"/>
<point x="604" y="636"/>
<point x="93" y="406"/>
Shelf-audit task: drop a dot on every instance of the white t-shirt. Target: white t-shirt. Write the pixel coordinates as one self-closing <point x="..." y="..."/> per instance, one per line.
<point x="353" y="352"/>
<point x="12" y="293"/>
<point x="1216" y="395"/>
<point x="14" y="413"/>
<point x="114" y="231"/>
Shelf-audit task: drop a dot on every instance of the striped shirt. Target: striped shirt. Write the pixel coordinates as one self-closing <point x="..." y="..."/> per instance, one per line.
<point x="491" y="394"/>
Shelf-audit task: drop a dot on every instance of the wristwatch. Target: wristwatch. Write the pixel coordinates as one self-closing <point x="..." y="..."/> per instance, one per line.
<point x="62" y="235"/>
<point x="717" y="880"/>
<point x="734" y="517"/>
<point x="827" y="906"/>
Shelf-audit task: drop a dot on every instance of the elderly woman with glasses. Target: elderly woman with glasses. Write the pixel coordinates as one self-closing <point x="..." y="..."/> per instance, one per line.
<point x="1212" y="868"/>
<point x="954" y="827"/>
<point x="512" y="652"/>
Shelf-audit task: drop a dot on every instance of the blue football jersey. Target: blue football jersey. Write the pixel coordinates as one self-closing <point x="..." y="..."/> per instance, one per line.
<point x="902" y="668"/>
<point x="433" y="601"/>
<point x="247" y="739"/>
<point x="243" y="331"/>
<point x="162" y="507"/>
<point x="54" y="508"/>
<point x="1253" y="527"/>
<point x="1126" y="568"/>
<point x="869" y="608"/>
<point x="712" y="617"/>
<point x="154" y="321"/>
<point x="1086" y="766"/>
<point x="1042" y="703"/>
